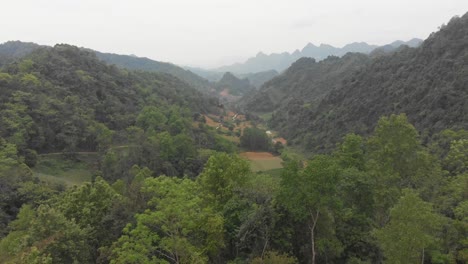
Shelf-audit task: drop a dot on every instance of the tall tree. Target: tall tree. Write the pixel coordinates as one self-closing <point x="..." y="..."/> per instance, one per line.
<point x="311" y="194"/>
<point x="411" y="231"/>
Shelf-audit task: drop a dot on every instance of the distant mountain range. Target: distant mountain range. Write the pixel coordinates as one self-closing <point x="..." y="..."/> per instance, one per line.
<point x="314" y="104"/>
<point x="281" y="61"/>
<point x="256" y="79"/>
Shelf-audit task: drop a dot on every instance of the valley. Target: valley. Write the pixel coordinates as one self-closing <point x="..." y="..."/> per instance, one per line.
<point x="351" y="155"/>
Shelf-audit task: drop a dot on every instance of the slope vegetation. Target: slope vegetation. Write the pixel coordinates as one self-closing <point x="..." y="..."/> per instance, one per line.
<point x="145" y="64"/>
<point x="428" y="83"/>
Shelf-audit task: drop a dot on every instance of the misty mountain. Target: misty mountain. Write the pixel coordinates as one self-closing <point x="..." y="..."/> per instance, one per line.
<point x="428" y="83"/>
<point x="235" y="86"/>
<point x="137" y="63"/>
<point x="281" y="61"/>
<point x="212" y="76"/>
<point x="256" y="79"/>
<point x="394" y="46"/>
<point x="259" y="78"/>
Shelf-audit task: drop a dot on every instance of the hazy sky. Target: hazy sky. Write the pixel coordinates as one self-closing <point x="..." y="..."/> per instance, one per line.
<point x="213" y="32"/>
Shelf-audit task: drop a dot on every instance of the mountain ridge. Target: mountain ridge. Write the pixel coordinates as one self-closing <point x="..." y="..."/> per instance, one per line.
<point x="281" y="61"/>
<point x="428" y="83"/>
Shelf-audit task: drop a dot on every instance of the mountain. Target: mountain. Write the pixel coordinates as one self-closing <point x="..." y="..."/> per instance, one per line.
<point x="306" y="80"/>
<point x="233" y="85"/>
<point x="281" y="61"/>
<point x="212" y="76"/>
<point x="259" y="78"/>
<point x="53" y="98"/>
<point x="428" y="83"/>
<point x="262" y="62"/>
<point x="413" y="43"/>
<point x="136" y="63"/>
<point x="12" y="50"/>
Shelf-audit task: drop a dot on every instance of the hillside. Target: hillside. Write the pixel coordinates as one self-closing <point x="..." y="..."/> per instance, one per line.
<point x="54" y="96"/>
<point x="259" y="78"/>
<point x="281" y="61"/>
<point x="145" y="64"/>
<point x="427" y="83"/>
<point x="233" y="85"/>
<point x="11" y="50"/>
<point x="306" y="80"/>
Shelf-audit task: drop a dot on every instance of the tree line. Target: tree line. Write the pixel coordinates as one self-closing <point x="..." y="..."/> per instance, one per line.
<point x="385" y="198"/>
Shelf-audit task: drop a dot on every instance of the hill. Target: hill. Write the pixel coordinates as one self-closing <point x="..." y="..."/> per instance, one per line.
<point x="427" y="83"/>
<point x="53" y="98"/>
<point x="233" y="85"/>
<point x="307" y="80"/>
<point x="259" y="78"/>
<point x="145" y="64"/>
<point x="281" y="61"/>
<point x="12" y="50"/>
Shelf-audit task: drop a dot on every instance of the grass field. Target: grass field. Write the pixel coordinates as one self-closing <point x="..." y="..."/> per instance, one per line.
<point x="56" y="168"/>
<point x="263" y="161"/>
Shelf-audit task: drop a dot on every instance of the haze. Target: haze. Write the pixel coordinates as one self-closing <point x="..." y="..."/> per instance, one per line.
<point x="210" y="33"/>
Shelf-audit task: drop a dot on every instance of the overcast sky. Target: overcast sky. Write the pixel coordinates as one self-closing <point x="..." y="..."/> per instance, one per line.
<point x="211" y="33"/>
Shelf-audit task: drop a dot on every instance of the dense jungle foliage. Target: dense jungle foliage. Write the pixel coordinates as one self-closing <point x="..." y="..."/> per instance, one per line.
<point x="169" y="188"/>
<point x="382" y="198"/>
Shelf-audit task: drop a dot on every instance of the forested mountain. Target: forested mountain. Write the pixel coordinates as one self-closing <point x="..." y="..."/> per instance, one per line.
<point x="281" y="61"/>
<point x="145" y="64"/>
<point x="259" y="78"/>
<point x="11" y="50"/>
<point x="413" y="43"/>
<point x="234" y="85"/>
<point x="64" y="99"/>
<point x="16" y="49"/>
<point x="427" y="83"/>
<point x="307" y="80"/>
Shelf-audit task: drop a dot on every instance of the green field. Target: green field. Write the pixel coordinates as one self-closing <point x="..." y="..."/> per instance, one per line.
<point x="57" y="169"/>
<point x="266" y="165"/>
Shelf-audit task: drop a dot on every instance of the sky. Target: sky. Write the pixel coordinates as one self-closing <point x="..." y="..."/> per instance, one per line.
<point x="211" y="33"/>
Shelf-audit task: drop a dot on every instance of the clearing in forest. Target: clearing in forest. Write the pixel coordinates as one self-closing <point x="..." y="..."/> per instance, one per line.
<point x="263" y="161"/>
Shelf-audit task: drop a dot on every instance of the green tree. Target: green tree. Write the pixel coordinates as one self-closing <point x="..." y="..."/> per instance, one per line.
<point x="89" y="206"/>
<point x="411" y="232"/>
<point x="151" y="118"/>
<point x="350" y="153"/>
<point x="223" y="173"/>
<point x="396" y="160"/>
<point x="311" y="194"/>
<point x="45" y="234"/>
<point x="457" y="158"/>
<point x="255" y="139"/>
<point x="177" y="227"/>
